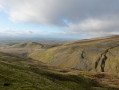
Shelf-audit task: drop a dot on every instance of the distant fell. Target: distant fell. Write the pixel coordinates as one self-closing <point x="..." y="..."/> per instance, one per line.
<point x="28" y="45"/>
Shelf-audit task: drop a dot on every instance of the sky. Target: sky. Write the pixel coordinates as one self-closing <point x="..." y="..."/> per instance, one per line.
<point x="73" y="19"/>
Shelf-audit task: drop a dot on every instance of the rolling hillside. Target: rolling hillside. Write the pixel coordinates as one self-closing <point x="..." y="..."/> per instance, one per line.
<point x="28" y="45"/>
<point x="96" y="55"/>
<point x="24" y="74"/>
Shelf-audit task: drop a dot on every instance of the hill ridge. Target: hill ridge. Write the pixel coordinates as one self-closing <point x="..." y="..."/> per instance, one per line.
<point x="99" y="55"/>
<point x="28" y="45"/>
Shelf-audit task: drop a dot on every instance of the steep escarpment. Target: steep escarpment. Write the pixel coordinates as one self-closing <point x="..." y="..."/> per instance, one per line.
<point x="97" y="54"/>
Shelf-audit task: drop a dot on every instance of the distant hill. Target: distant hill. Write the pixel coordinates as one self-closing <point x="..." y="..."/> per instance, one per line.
<point x="28" y="45"/>
<point x="96" y="54"/>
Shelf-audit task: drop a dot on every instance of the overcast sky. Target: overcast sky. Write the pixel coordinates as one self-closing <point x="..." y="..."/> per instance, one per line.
<point x="59" y="18"/>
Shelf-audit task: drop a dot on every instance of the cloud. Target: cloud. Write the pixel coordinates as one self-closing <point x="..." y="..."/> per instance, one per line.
<point x="100" y="26"/>
<point x="80" y="16"/>
<point x="1" y="7"/>
<point x="11" y="32"/>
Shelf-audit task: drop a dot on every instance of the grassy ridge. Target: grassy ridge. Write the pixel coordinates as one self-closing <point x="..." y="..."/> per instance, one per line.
<point x="28" y="45"/>
<point x="35" y="45"/>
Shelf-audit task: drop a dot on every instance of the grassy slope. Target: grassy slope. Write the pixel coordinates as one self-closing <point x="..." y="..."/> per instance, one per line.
<point x="99" y="54"/>
<point x="18" y="73"/>
<point x="28" y="45"/>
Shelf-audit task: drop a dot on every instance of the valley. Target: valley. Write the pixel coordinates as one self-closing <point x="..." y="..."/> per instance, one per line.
<point x="59" y="44"/>
<point x="80" y="65"/>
